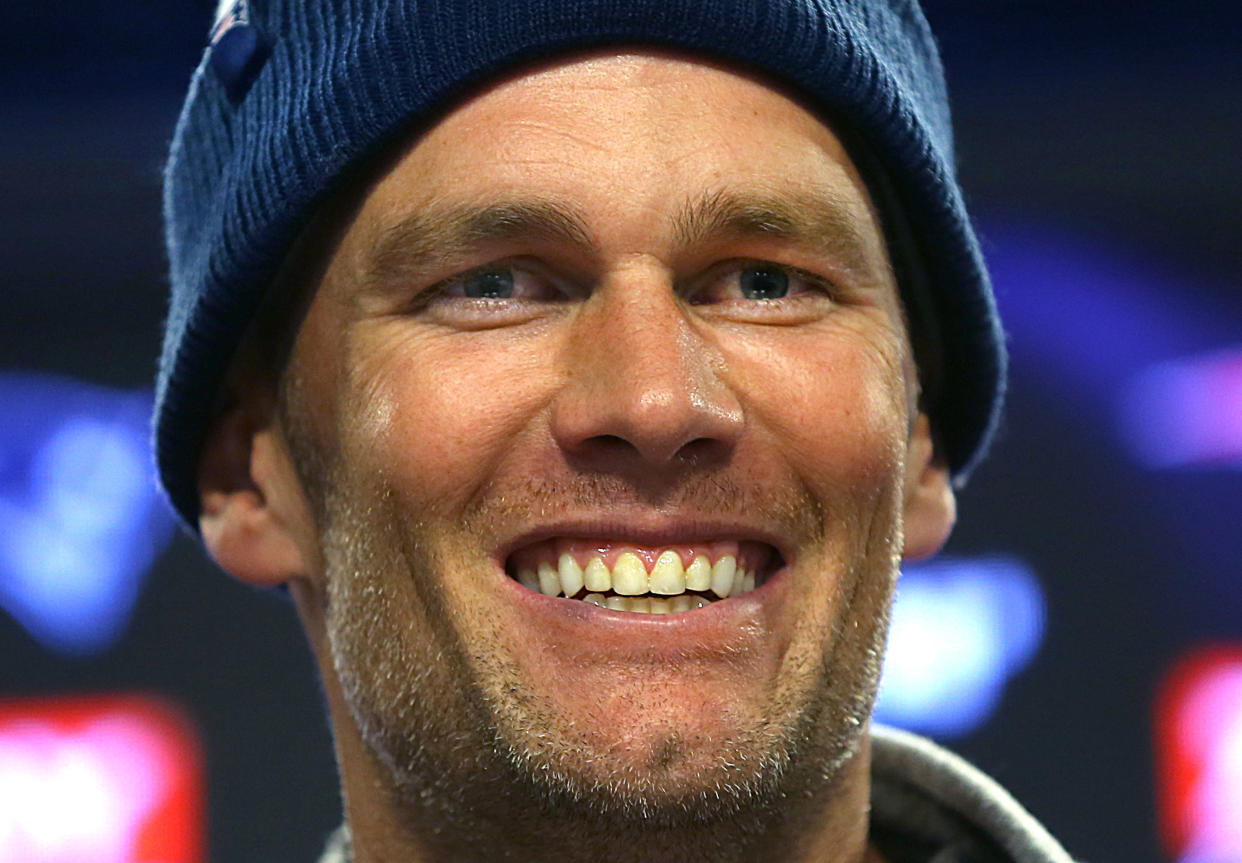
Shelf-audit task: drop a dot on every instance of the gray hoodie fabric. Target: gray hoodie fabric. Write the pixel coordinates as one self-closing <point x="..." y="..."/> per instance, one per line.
<point x="927" y="806"/>
<point x="930" y="806"/>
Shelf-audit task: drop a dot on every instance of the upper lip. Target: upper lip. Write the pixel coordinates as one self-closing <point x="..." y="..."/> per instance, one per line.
<point x="648" y="529"/>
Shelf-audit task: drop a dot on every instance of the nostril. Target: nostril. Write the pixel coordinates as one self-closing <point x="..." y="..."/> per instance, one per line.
<point x="702" y="450"/>
<point x="609" y="448"/>
<point x="611" y="441"/>
<point x="615" y="452"/>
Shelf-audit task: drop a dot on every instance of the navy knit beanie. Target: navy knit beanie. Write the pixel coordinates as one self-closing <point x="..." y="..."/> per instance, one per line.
<point x="292" y="94"/>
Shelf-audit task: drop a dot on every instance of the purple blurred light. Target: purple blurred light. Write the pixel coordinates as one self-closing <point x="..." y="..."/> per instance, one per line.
<point x="1085" y="316"/>
<point x="1186" y="412"/>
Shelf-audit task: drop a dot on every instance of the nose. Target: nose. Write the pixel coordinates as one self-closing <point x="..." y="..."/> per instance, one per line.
<point x="644" y="389"/>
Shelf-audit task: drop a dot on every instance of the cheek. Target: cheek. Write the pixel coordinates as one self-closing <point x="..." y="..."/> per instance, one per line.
<point x="834" y="405"/>
<point x="435" y="414"/>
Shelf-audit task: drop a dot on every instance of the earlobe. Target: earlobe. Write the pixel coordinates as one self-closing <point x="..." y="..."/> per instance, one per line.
<point x="930" y="505"/>
<point x="253" y="517"/>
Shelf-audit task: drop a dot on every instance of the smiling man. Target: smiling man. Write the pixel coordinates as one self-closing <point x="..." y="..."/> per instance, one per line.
<point x="585" y="371"/>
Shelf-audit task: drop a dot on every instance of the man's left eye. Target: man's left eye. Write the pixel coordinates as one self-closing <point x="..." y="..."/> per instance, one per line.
<point x="763" y="283"/>
<point x="488" y="285"/>
<point x="758" y="282"/>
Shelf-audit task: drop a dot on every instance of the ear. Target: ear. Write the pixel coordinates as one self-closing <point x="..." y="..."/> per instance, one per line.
<point x="253" y="514"/>
<point x="930" y="506"/>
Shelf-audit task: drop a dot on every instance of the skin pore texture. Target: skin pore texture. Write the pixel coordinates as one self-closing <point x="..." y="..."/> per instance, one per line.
<point x="625" y="301"/>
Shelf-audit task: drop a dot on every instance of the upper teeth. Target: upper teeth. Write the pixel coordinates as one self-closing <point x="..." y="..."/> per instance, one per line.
<point x="629" y="577"/>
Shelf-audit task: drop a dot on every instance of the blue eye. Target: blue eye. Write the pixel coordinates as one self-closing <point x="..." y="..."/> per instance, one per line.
<point x="763" y="283"/>
<point x="759" y="287"/>
<point x="488" y="285"/>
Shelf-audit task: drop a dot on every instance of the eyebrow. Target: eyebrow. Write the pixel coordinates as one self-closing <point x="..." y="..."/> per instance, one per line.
<point x="818" y="221"/>
<point x="443" y="231"/>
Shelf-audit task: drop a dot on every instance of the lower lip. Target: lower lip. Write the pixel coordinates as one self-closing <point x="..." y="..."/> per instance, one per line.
<point x="719" y="621"/>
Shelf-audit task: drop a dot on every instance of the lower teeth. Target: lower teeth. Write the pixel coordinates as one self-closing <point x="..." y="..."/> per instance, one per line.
<point x="646" y="604"/>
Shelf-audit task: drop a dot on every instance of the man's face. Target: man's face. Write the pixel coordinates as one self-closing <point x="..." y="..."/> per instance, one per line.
<point x="623" y="306"/>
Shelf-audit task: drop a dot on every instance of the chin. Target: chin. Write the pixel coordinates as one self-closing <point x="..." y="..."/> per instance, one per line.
<point x="676" y="776"/>
<point x="637" y="790"/>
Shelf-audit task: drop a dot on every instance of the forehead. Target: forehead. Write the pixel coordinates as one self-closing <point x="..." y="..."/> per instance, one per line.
<point x="630" y="142"/>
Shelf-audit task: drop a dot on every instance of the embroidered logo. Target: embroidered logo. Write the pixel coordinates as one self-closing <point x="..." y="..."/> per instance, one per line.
<point x="238" y="50"/>
<point x="229" y="14"/>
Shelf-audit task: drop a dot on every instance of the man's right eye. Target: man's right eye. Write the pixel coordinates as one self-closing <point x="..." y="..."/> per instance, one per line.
<point x="503" y="281"/>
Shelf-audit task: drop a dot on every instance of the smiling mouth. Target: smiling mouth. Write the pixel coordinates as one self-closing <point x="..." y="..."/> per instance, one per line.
<point x="643" y="579"/>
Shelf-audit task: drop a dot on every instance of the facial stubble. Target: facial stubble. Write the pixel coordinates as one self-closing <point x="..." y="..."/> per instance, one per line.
<point x="466" y="742"/>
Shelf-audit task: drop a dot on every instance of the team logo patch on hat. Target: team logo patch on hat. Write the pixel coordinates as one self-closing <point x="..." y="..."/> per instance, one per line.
<point x="237" y="49"/>
<point x="229" y="14"/>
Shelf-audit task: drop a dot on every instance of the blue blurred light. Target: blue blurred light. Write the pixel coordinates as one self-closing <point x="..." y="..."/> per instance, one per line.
<point x="960" y="630"/>
<point x="81" y="519"/>
<point x="1186" y="412"/>
<point x="1086" y="316"/>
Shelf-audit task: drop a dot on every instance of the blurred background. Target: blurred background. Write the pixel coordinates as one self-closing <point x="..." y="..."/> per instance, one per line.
<point x="1081" y="638"/>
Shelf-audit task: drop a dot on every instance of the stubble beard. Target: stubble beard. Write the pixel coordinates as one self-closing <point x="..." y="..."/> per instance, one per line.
<point x="469" y="750"/>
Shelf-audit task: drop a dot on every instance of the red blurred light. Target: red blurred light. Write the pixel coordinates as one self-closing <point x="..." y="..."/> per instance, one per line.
<point x="104" y="779"/>
<point x="1198" y="726"/>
